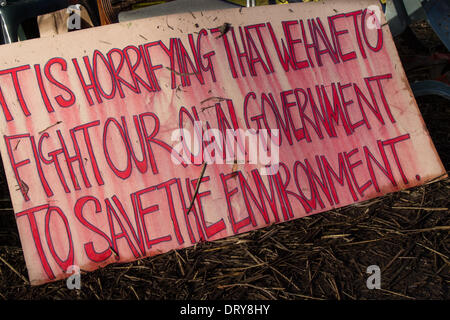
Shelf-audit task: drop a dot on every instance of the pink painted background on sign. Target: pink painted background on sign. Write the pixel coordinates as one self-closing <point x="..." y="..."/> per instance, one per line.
<point x="88" y="118"/>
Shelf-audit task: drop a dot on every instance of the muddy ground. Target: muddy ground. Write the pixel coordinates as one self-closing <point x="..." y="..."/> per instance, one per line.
<point x="324" y="256"/>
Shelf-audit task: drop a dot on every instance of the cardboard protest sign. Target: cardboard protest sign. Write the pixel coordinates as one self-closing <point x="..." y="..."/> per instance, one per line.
<point x="100" y="172"/>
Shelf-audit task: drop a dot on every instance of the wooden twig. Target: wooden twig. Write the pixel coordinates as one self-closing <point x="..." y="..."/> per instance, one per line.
<point x="23" y="187"/>
<point x="182" y="73"/>
<point x="17" y="144"/>
<point x="197" y="188"/>
<point x="219" y="99"/>
<point x="224" y="29"/>
<point x="14" y="270"/>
